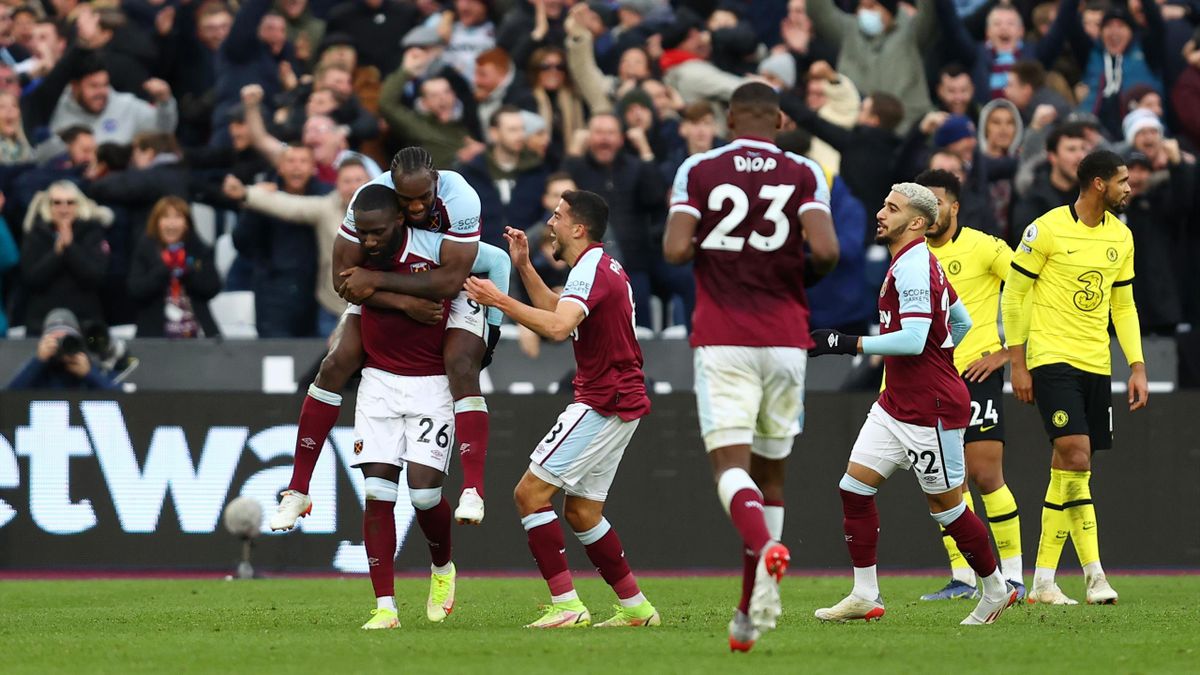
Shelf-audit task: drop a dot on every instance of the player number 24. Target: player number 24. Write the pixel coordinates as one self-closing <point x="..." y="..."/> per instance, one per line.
<point x="981" y="414"/>
<point x="720" y="238"/>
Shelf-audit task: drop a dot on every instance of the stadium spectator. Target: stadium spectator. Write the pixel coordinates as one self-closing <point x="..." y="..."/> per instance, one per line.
<point x="283" y="256"/>
<point x="189" y="55"/>
<point x="61" y="361"/>
<point x="1122" y="57"/>
<point x="424" y="58"/>
<point x="650" y="137"/>
<point x="1054" y="184"/>
<point x="999" y="138"/>
<point x="331" y="94"/>
<point x="375" y="27"/>
<point x="698" y="129"/>
<point x="496" y="86"/>
<point x="531" y="25"/>
<point x="881" y="51"/>
<point x="956" y="92"/>
<point x="687" y="45"/>
<point x="734" y="42"/>
<point x="63" y="257"/>
<point x="172" y="276"/>
<point x="868" y="149"/>
<point x="9" y="255"/>
<point x="304" y="30"/>
<point x="436" y="123"/>
<point x="14" y="147"/>
<point x="237" y="155"/>
<point x="256" y="51"/>
<point x="836" y="100"/>
<point x="555" y="96"/>
<point x="1027" y="89"/>
<point x="467" y="31"/>
<point x="322" y="212"/>
<point x="508" y="178"/>
<point x="635" y="193"/>
<point x="1185" y="95"/>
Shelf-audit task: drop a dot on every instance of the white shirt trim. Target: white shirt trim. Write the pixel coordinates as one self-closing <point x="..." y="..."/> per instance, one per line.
<point x="577" y="301"/>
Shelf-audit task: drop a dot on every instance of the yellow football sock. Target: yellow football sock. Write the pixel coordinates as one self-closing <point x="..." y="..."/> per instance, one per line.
<point x="1006" y="530"/>
<point x="1077" y="504"/>
<point x="959" y="568"/>
<point x="1056" y="526"/>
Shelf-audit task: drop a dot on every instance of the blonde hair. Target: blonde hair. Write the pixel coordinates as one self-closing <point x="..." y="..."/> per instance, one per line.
<point x="920" y="199"/>
<point x="85" y="209"/>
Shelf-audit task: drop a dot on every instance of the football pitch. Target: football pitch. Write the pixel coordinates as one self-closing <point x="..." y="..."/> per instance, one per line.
<point x="312" y="625"/>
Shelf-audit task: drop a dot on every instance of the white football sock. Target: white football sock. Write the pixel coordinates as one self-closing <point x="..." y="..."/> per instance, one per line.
<point x="866" y="583"/>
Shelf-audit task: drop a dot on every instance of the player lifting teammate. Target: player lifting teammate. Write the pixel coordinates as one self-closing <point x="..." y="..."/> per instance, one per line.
<point x="744" y="212"/>
<point x="1077" y="261"/>
<point x="581" y="453"/>
<point x="919" y="418"/>
<point x="404" y="414"/>
<point x="976" y="264"/>
<point x="434" y="201"/>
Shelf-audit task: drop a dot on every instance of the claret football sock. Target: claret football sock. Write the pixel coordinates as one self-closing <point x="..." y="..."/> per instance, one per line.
<point x="433" y="515"/>
<point x="318" y="414"/>
<point x="550" y="551"/>
<point x="860" y="522"/>
<point x="972" y="539"/>
<point x="959" y="569"/>
<point x="744" y="504"/>
<point x="471" y="428"/>
<point x="606" y="553"/>
<point x="379" y="535"/>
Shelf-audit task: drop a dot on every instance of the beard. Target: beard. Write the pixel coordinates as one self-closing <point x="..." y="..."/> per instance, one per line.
<point x="1117" y="206"/>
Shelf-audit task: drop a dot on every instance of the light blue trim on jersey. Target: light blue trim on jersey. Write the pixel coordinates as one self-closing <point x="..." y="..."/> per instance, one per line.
<point x="576" y="441"/>
<point x="960" y="321"/>
<point x="911" y="274"/>
<point x="908" y="341"/>
<point x="456" y="194"/>
<point x="493" y="262"/>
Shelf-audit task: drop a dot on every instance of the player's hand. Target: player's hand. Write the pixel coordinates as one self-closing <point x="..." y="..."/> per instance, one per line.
<point x="833" y="342"/>
<point x="1022" y="384"/>
<point x="482" y="291"/>
<point x="358" y="284"/>
<point x="984" y="367"/>
<point x="1139" y="388"/>
<point x="423" y="311"/>
<point x="518" y="246"/>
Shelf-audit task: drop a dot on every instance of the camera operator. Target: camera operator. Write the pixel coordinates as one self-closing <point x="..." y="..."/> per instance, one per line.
<point x="62" y="360"/>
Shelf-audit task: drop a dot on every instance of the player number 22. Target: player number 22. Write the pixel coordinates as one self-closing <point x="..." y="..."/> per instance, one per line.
<point x="720" y="238"/>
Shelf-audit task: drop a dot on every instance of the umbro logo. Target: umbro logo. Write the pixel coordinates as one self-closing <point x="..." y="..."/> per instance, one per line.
<point x="833" y="340"/>
<point x="308" y="443"/>
<point x="464" y="449"/>
<point x="753" y="505"/>
<point x="562" y="550"/>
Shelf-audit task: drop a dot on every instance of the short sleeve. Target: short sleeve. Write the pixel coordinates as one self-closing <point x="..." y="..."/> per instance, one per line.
<point x="912" y="285"/>
<point x="1036" y="245"/>
<point x="1001" y="258"/>
<point x="683" y="197"/>
<point x="586" y="285"/>
<point x="462" y="208"/>
<point x="814" y="190"/>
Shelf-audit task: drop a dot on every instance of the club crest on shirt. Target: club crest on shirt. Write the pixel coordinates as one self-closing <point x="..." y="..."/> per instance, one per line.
<point x="1112" y="254"/>
<point x="955" y="267"/>
<point x="883" y="289"/>
<point x="358" y="445"/>
<point x="418" y="267"/>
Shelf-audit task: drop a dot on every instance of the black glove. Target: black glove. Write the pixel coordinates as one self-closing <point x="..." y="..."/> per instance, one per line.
<point x="492" y="341"/>
<point x="832" y="342"/>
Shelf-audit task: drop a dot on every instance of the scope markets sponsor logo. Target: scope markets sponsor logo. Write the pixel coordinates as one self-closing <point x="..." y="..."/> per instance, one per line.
<point x="199" y="491"/>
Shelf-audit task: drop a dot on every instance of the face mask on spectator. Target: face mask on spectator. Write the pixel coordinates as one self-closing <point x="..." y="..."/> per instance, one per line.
<point x="870" y="22"/>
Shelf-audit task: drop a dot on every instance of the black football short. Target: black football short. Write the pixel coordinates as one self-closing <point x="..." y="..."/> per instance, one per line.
<point x="987" y="409"/>
<point x="1073" y="401"/>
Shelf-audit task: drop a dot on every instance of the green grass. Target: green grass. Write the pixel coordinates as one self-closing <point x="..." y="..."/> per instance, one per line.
<point x="311" y="626"/>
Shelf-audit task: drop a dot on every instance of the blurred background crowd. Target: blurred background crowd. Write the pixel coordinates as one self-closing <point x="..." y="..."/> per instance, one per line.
<point x="178" y="165"/>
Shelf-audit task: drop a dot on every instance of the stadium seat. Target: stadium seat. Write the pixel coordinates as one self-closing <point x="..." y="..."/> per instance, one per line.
<point x="224" y="254"/>
<point x="234" y="313"/>
<point x="204" y="219"/>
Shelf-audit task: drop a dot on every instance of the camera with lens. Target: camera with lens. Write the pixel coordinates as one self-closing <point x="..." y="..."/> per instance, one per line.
<point x="70" y="345"/>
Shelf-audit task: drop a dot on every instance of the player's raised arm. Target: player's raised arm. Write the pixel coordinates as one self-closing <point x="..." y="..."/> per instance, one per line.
<point x="556" y="324"/>
<point x="518" y="251"/>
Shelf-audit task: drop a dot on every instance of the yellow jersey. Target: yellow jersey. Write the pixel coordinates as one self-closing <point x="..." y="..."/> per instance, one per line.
<point x="1074" y="268"/>
<point x="976" y="264"/>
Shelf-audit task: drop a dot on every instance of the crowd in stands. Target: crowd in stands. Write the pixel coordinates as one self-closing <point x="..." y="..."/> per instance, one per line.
<point x="157" y="153"/>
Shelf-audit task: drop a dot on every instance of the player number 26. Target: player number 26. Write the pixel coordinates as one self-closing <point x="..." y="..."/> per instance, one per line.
<point x="720" y="238"/>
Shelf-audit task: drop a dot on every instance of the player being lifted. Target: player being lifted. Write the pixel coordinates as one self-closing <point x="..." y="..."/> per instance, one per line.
<point x="581" y="453"/>
<point x="404" y="414"/>
<point x="743" y="212"/>
<point x="976" y="264"/>
<point x="1077" y="261"/>
<point x="434" y="201"/>
<point x="919" y="418"/>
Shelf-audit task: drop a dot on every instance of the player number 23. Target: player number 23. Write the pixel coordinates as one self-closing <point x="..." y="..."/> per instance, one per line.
<point x="720" y="238"/>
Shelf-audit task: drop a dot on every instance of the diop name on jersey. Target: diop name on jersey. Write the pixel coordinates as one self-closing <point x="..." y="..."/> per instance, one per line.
<point x="749" y="164"/>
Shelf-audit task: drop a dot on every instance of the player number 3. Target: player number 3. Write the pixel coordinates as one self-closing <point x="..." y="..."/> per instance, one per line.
<point x="720" y="238"/>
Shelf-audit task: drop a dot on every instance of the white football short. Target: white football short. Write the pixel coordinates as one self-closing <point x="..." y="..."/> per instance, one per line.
<point x="934" y="454"/>
<point x="465" y="314"/>
<point x="582" y="452"/>
<point x="400" y="419"/>
<point x="750" y="396"/>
